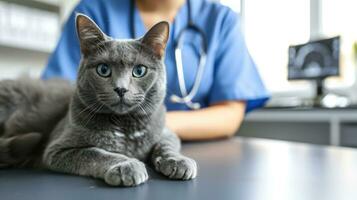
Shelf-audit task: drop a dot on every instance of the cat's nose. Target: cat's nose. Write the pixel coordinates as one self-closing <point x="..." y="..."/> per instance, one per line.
<point x="120" y="91"/>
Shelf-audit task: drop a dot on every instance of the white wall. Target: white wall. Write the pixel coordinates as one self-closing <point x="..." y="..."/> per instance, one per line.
<point x="16" y="61"/>
<point x="67" y="6"/>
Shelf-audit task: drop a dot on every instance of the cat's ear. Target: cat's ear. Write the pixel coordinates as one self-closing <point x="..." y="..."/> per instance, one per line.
<point x="156" y="38"/>
<point x="89" y="33"/>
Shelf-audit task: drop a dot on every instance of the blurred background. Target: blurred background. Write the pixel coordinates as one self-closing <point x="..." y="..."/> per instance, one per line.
<point x="299" y="110"/>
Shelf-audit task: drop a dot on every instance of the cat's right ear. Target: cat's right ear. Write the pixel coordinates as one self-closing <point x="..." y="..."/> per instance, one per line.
<point x="156" y="38"/>
<point x="89" y="33"/>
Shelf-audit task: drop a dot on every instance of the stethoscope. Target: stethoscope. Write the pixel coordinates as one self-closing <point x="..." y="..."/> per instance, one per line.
<point x="186" y="96"/>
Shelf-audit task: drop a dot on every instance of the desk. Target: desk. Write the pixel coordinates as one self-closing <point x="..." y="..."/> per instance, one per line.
<point x="246" y="169"/>
<point x="336" y="127"/>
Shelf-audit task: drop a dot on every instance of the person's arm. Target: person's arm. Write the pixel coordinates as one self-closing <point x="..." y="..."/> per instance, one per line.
<point x="237" y="89"/>
<point x="217" y="121"/>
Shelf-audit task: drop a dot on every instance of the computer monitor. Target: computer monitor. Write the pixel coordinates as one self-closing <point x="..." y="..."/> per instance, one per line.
<point x="315" y="60"/>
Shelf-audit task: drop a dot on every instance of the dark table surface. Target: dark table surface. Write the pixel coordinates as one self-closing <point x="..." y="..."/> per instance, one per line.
<point x="232" y="169"/>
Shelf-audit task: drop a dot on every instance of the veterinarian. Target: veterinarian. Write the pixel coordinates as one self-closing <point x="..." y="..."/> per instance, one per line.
<point x="206" y="43"/>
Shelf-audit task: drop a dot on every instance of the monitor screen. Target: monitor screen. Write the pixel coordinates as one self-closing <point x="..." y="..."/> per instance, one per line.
<point x="314" y="60"/>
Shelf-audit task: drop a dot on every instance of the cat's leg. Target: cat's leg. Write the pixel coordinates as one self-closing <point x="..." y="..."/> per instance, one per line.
<point x="16" y="150"/>
<point x="19" y="141"/>
<point x="23" y="121"/>
<point x="168" y="160"/>
<point x="115" y="169"/>
<point x="5" y="113"/>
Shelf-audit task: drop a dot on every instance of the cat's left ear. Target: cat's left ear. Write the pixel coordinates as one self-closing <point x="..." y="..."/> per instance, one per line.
<point x="89" y="33"/>
<point x="156" y="38"/>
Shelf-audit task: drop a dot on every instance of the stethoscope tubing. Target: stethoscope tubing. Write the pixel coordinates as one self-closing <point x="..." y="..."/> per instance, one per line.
<point x="186" y="97"/>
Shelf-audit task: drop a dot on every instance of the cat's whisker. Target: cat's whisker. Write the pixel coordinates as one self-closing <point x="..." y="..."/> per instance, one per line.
<point x="149" y="103"/>
<point x="83" y="110"/>
<point x="89" y="109"/>
<point x="142" y="109"/>
<point x="83" y="118"/>
<point x="89" y="115"/>
<point x="93" y="114"/>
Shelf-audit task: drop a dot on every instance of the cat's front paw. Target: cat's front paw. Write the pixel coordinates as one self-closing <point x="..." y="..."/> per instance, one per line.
<point x="176" y="167"/>
<point x="127" y="173"/>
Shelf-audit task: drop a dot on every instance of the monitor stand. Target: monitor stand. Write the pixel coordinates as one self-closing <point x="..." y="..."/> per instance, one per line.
<point x="328" y="100"/>
<point x="318" y="99"/>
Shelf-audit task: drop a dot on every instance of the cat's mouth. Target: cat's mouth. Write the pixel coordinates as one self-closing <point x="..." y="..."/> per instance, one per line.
<point x="122" y="106"/>
<point x="121" y="102"/>
<point x="116" y="104"/>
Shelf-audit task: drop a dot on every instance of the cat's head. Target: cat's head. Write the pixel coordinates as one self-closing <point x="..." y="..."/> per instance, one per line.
<point x="121" y="76"/>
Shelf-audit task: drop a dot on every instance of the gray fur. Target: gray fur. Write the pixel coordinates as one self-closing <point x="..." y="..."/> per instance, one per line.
<point x="103" y="135"/>
<point x="29" y="111"/>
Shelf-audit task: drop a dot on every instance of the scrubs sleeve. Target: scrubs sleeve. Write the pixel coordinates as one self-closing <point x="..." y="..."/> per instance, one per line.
<point x="236" y="77"/>
<point x="64" y="61"/>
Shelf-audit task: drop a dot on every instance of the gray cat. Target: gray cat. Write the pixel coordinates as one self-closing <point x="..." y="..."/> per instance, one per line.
<point x="116" y="116"/>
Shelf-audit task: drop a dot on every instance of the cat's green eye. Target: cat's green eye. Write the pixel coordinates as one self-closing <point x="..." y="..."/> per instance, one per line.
<point x="104" y="70"/>
<point x="139" y="71"/>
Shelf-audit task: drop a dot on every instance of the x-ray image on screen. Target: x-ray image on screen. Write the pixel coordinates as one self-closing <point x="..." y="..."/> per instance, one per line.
<point x="314" y="60"/>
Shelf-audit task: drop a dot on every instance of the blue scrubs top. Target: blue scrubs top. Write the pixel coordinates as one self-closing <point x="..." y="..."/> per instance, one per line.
<point x="230" y="73"/>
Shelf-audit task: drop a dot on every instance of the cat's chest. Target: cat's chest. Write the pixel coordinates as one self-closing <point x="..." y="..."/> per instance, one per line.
<point x="137" y="144"/>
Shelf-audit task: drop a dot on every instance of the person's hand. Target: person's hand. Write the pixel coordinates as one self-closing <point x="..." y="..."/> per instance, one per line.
<point x="217" y="121"/>
<point x="171" y="123"/>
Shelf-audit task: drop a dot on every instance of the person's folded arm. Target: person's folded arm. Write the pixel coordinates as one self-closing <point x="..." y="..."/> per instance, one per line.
<point x="217" y="121"/>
